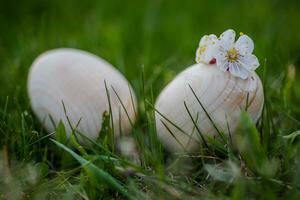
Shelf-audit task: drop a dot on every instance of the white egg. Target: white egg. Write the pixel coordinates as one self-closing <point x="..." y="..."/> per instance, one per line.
<point x="77" y="79"/>
<point x="222" y="95"/>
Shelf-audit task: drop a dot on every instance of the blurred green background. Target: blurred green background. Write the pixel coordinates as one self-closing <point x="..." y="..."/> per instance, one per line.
<point x="160" y="35"/>
<point x="156" y="38"/>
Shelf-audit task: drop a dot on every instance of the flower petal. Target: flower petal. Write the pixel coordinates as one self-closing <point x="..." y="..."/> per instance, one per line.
<point x="249" y="62"/>
<point x="244" y="73"/>
<point x="237" y="70"/>
<point x="205" y="49"/>
<point x="208" y="40"/>
<point x="203" y="40"/>
<point x="221" y="60"/>
<point x="209" y="54"/>
<point x="199" y="54"/>
<point x="228" y="35"/>
<point x="223" y="65"/>
<point x="227" y="39"/>
<point x="244" y="45"/>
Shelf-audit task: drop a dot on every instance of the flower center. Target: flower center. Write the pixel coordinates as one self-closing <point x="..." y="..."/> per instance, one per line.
<point x="232" y="55"/>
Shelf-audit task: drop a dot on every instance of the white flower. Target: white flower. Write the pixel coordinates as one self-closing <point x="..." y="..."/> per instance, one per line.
<point x="235" y="57"/>
<point x="206" y="47"/>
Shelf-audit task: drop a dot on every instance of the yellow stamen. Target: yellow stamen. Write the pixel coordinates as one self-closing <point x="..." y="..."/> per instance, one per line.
<point x="232" y="55"/>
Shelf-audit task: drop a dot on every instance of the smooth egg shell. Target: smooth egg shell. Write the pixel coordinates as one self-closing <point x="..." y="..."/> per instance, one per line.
<point x="77" y="78"/>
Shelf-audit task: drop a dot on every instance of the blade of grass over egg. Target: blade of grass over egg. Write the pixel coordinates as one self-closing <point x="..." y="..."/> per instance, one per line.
<point x="69" y="121"/>
<point x="173" y="124"/>
<point x="51" y="120"/>
<point x="105" y="133"/>
<point x="96" y="173"/>
<point x="207" y="114"/>
<point x="110" y="113"/>
<point x="195" y="124"/>
<point x="126" y="112"/>
<point x="173" y="135"/>
<point x="132" y="101"/>
<point x="66" y="115"/>
<point x="194" y="129"/>
<point x="247" y="102"/>
<point x="120" y="122"/>
<point x="228" y="129"/>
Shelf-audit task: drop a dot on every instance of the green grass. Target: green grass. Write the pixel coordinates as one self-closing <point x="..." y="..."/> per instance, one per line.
<point x="149" y="42"/>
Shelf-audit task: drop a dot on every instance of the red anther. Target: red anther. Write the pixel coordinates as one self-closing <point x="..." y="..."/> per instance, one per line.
<point x="213" y="61"/>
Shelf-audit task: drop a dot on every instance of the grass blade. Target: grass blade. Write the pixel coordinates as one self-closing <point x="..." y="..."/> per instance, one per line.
<point x="94" y="172"/>
<point x="195" y="124"/>
<point x="173" y="135"/>
<point x="173" y="124"/>
<point x="123" y="106"/>
<point x="210" y="119"/>
<point x="110" y="112"/>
